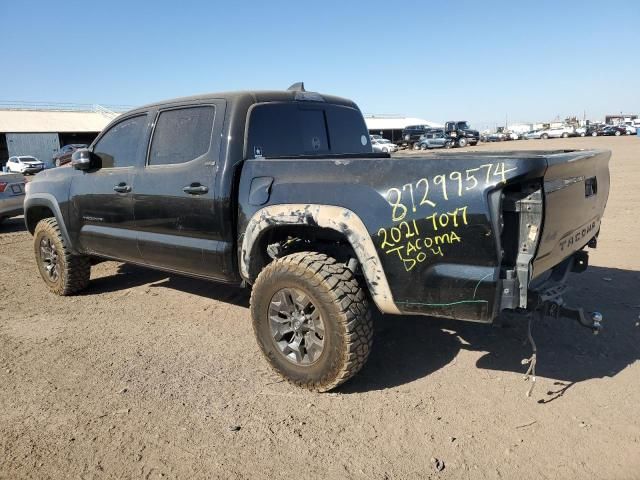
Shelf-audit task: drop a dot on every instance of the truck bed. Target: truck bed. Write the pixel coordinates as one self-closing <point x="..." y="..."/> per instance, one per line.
<point x="450" y="229"/>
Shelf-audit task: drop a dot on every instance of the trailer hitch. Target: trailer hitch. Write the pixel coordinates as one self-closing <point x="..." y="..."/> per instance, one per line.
<point x="592" y="321"/>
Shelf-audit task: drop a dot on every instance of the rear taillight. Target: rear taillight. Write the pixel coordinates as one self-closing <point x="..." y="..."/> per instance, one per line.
<point x="3" y="186"/>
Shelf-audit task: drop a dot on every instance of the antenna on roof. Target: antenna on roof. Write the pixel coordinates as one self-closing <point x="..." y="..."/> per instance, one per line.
<point x="297" y="87"/>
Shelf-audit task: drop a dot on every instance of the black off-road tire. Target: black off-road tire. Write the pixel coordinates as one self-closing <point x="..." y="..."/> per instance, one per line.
<point x="74" y="271"/>
<point x="344" y="308"/>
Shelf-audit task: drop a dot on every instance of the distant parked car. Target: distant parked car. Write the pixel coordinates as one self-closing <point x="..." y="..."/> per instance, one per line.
<point x="556" y="132"/>
<point x="535" y="134"/>
<point x="594" y="130"/>
<point x="411" y="134"/>
<point x="616" y="130"/>
<point x="435" y="139"/>
<point x="513" y="135"/>
<point x="64" y="154"/>
<point x="383" y="146"/>
<point x="24" y="164"/>
<point x="630" y="129"/>
<point x="11" y="195"/>
<point x="496" y="137"/>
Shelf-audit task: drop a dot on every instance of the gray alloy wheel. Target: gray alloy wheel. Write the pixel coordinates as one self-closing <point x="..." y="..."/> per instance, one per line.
<point x="63" y="272"/>
<point x="617" y="133"/>
<point x="49" y="258"/>
<point x="462" y="142"/>
<point x="312" y="320"/>
<point x="296" y="326"/>
<point x="594" y="134"/>
<point x="544" y="136"/>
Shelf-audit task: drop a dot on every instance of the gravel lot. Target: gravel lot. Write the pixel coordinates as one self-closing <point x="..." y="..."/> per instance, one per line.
<point x="153" y="376"/>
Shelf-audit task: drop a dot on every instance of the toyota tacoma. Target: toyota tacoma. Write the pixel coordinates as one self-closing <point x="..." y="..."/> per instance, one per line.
<point x="280" y="191"/>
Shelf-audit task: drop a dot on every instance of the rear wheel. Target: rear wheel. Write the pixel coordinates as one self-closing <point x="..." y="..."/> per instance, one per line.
<point x="312" y="320"/>
<point x="416" y="146"/>
<point x="565" y="135"/>
<point x="64" y="273"/>
<point x="617" y="134"/>
<point x="594" y="134"/>
<point x="544" y="136"/>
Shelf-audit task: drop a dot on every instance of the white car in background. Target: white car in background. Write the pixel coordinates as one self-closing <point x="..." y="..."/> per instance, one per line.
<point x="24" y="164"/>
<point x="631" y="130"/>
<point x="556" y="132"/>
<point x="382" y="145"/>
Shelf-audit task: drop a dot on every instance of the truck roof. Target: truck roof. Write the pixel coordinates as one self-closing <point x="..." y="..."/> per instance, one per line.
<point x="250" y="97"/>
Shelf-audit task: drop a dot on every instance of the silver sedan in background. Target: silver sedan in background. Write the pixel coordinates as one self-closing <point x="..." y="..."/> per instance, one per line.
<point x="11" y="195"/>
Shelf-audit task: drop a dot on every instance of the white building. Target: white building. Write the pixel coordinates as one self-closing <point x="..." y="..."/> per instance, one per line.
<point x="41" y="130"/>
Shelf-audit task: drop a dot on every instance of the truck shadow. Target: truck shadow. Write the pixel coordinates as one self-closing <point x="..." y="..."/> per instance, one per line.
<point x="13" y="225"/>
<point x="130" y="276"/>
<point x="410" y="348"/>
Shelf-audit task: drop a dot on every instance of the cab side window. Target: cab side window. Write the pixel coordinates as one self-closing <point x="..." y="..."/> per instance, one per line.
<point x="181" y="135"/>
<point x="122" y="145"/>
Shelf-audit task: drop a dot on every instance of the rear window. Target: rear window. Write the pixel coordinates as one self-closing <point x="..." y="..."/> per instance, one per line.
<point x="294" y="129"/>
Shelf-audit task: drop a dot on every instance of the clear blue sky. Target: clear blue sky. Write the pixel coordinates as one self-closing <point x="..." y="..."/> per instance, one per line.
<point x="479" y="61"/>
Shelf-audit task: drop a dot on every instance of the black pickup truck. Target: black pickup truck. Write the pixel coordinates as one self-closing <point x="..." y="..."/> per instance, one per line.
<point x="280" y="190"/>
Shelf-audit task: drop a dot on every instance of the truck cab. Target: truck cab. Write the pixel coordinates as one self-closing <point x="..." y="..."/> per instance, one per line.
<point x="462" y="133"/>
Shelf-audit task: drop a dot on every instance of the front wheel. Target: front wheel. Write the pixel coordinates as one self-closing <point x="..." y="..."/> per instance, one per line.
<point x="544" y="136"/>
<point x="594" y="134"/>
<point x="462" y="142"/>
<point x="565" y="135"/>
<point x="312" y="320"/>
<point x="62" y="272"/>
<point x="617" y="133"/>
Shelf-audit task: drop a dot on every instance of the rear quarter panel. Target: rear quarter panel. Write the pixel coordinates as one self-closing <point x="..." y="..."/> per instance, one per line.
<point x="432" y="219"/>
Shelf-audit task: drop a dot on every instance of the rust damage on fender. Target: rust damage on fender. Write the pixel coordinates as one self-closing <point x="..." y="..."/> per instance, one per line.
<point x="326" y="216"/>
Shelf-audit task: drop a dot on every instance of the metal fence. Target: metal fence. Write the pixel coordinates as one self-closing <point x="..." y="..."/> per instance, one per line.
<point x="64" y="107"/>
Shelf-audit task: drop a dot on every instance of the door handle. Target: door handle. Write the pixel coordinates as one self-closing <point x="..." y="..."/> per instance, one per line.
<point x="122" y="188"/>
<point x="195" y="189"/>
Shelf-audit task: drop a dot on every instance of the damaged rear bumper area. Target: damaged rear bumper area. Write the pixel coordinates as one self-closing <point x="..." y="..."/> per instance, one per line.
<point x="547" y="226"/>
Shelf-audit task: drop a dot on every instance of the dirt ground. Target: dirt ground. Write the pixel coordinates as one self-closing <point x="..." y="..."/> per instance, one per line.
<point x="147" y="375"/>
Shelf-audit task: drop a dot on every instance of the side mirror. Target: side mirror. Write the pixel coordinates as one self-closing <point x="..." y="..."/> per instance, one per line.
<point x="82" y="159"/>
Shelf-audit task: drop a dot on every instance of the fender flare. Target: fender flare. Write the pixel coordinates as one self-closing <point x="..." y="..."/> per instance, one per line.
<point x="336" y="218"/>
<point x="49" y="201"/>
